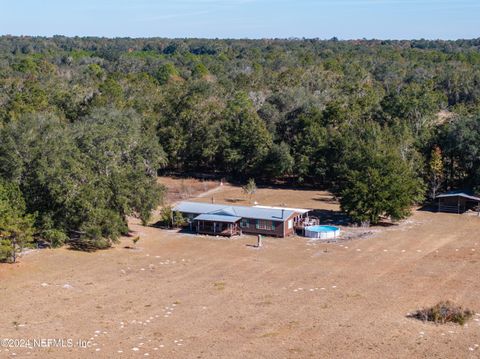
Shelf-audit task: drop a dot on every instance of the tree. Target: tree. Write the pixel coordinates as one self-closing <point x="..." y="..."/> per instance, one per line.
<point x="86" y="123"/>
<point x="435" y="169"/>
<point x="250" y="188"/>
<point x="383" y="185"/>
<point x="86" y="177"/>
<point x="166" y="72"/>
<point x="248" y="139"/>
<point x="167" y="216"/>
<point x="460" y="141"/>
<point x="378" y="173"/>
<point x="278" y="162"/>
<point x="415" y="103"/>
<point x="200" y="70"/>
<point x="16" y="226"/>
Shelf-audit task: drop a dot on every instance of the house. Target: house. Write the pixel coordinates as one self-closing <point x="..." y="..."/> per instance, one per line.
<point x="457" y="202"/>
<point x="228" y="220"/>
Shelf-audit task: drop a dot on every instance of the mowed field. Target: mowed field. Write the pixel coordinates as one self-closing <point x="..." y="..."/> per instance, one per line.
<point x="186" y="296"/>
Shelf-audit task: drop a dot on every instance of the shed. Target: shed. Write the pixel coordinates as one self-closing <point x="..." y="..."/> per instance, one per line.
<point x="457" y="202"/>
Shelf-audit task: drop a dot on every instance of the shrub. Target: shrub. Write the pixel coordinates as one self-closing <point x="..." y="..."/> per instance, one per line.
<point x="166" y="216"/>
<point x="104" y="223"/>
<point x="87" y="244"/>
<point x="179" y="220"/>
<point x="444" y="312"/>
<point x="54" y="237"/>
<point x="135" y="240"/>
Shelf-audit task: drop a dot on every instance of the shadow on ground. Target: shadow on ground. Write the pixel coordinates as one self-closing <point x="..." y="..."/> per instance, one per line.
<point x="331" y="217"/>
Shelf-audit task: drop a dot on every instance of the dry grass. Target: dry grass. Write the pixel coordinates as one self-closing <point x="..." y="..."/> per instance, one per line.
<point x="182" y="188"/>
<point x="196" y="297"/>
<point x="444" y="312"/>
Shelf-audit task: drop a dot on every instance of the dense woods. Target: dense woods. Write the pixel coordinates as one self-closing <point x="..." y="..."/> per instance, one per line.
<point x="86" y="124"/>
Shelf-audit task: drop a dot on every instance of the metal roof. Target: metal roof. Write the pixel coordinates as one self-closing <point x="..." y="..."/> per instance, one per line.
<point x="273" y="214"/>
<point x="296" y="210"/>
<point x="217" y="218"/>
<point x="458" y="194"/>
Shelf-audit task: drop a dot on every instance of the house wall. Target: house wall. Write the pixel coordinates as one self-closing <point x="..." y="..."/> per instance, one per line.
<point x="281" y="228"/>
<point x="252" y="229"/>
<point x="290" y="231"/>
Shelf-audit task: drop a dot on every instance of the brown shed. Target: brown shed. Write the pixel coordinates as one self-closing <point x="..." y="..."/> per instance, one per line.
<point x="457" y="202"/>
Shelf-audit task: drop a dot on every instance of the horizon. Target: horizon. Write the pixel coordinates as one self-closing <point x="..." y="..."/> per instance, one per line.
<point x="245" y="19"/>
<point x="335" y="38"/>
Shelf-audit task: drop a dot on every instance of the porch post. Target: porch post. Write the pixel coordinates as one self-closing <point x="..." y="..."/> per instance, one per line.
<point x="214" y="227"/>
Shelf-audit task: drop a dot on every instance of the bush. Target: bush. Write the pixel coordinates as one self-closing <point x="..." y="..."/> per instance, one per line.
<point x="179" y="220"/>
<point x="5" y="250"/>
<point x="444" y="312"/>
<point x="166" y="216"/>
<point x="87" y="244"/>
<point x="104" y="223"/>
<point x="54" y="237"/>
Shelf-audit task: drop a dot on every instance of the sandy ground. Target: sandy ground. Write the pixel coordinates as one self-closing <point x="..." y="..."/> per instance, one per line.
<point x="184" y="188"/>
<point x="184" y="296"/>
<point x="296" y="198"/>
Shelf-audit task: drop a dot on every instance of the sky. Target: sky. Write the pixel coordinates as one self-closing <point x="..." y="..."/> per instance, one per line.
<point x="324" y="19"/>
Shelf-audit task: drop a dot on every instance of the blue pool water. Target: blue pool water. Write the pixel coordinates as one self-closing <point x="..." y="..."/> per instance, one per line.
<point x="322" y="228"/>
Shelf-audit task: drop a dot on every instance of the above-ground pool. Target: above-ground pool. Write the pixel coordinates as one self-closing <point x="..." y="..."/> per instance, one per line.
<point x="322" y="232"/>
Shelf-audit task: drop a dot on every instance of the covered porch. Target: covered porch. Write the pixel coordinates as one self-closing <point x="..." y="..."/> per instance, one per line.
<point x="218" y="225"/>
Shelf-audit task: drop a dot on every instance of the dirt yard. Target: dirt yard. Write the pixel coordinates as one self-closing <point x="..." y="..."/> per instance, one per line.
<point x="183" y="188"/>
<point x="184" y="296"/>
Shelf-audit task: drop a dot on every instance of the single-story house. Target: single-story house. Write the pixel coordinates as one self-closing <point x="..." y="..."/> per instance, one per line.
<point x="228" y="220"/>
<point x="457" y="202"/>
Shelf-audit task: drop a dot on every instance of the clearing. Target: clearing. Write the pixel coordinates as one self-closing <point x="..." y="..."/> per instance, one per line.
<point x="186" y="296"/>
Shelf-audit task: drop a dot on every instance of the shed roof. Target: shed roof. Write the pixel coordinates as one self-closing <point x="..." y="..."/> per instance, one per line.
<point x="217" y="218"/>
<point x="273" y="214"/>
<point x="459" y="194"/>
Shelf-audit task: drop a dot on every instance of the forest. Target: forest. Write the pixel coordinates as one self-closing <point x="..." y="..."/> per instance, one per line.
<point x="86" y="124"/>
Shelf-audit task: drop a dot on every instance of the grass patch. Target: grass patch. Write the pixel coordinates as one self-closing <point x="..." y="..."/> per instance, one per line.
<point x="444" y="312"/>
<point x="219" y="285"/>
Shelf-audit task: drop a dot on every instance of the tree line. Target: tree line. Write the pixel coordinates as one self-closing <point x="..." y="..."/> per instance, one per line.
<point x="86" y="124"/>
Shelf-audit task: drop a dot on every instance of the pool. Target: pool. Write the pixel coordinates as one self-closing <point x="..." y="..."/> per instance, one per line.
<point x="322" y="232"/>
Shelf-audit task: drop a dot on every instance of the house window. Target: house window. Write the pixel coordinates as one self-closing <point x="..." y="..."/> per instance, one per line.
<point x="244" y="223"/>
<point x="265" y="225"/>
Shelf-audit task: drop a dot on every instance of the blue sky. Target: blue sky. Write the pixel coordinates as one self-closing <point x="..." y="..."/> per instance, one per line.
<point x="345" y="19"/>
